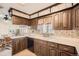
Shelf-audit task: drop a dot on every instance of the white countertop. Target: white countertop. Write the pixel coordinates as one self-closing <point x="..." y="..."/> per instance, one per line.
<point x="62" y="40"/>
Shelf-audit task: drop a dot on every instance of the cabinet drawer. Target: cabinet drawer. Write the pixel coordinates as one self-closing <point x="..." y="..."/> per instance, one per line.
<point x="67" y="48"/>
<point x="63" y="53"/>
<point x="52" y="44"/>
<point x="41" y="41"/>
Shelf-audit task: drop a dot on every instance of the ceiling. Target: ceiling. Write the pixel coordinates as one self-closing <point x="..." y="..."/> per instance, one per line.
<point x="25" y="7"/>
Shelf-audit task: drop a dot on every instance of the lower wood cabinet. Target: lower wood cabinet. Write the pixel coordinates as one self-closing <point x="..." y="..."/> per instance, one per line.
<point x="64" y="53"/>
<point x="53" y="52"/>
<point x="36" y="48"/>
<point x="65" y="50"/>
<point x="45" y="48"/>
<point x="53" y="49"/>
<point x="19" y="44"/>
<point x="40" y="48"/>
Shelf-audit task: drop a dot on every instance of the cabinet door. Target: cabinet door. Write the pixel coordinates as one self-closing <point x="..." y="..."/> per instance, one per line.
<point x="40" y="48"/>
<point x="47" y="19"/>
<point x="56" y="21"/>
<point x="75" y="17"/>
<point x="64" y="53"/>
<point x="40" y="20"/>
<point x="15" y="47"/>
<point x="53" y="52"/>
<point x="53" y="49"/>
<point x="18" y="45"/>
<point x="43" y="48"/>
<point x="19" y="20"/>
<point x="66" y="19"/>
<point x="34" y="23"/>
<point x="22" y="43"/>
<point x="62" y="20"/>
<point x="36" y="47"/>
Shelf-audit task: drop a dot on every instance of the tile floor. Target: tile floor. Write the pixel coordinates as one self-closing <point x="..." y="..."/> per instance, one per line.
<point x="25" y="52"/>
<point x="8" y="52"/>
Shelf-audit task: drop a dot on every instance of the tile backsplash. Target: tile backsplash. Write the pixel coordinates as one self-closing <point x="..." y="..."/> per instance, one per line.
<point x="67" y="33"/>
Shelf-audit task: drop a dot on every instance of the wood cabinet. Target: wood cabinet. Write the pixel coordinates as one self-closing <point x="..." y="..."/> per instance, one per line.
<point x="40" y="48"/>
<point x="46" y="48"/>
<point x="18" y="45"/>
<point x="43" y="48"/>
<point x="47" y="19"/>
<point x="56" y="21"/>
<point x="34" y="23"/>
<point x="66" y="20"/>
<point x="20" y="20"/>
<point x="56" y="49"/>
<point x="37" y="47"/>
<point x="62" y="20"/>
<point x="63" y="53"/>
<point x="41" y="20"/>
<point x="75" y="17"/>
<point x="53" y="49"/>
<point x="65" y="50"/>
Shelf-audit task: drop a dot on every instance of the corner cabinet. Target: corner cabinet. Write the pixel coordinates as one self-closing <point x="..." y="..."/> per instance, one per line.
<point x="18" y="44"/>
<point x="17" y="20"/>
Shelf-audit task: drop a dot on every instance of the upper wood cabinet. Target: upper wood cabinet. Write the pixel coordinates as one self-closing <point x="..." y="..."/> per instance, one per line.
<point x="75" y="17"/>
<point x="66" y="20"/>
<point x="34" y="23"/>
<point x="56" y="21"/>
<point x="62" y="20"/>
<point x="47" y="19"/>
<point x="19" y="20"/>
<point x="40" y="20"/>
<point x="59" y="21"/>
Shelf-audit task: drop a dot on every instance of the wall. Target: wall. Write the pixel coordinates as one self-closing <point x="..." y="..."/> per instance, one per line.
<point x="67" y="33"/>
<point x="7" y="28"/>
<point x="3" y="28"/>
